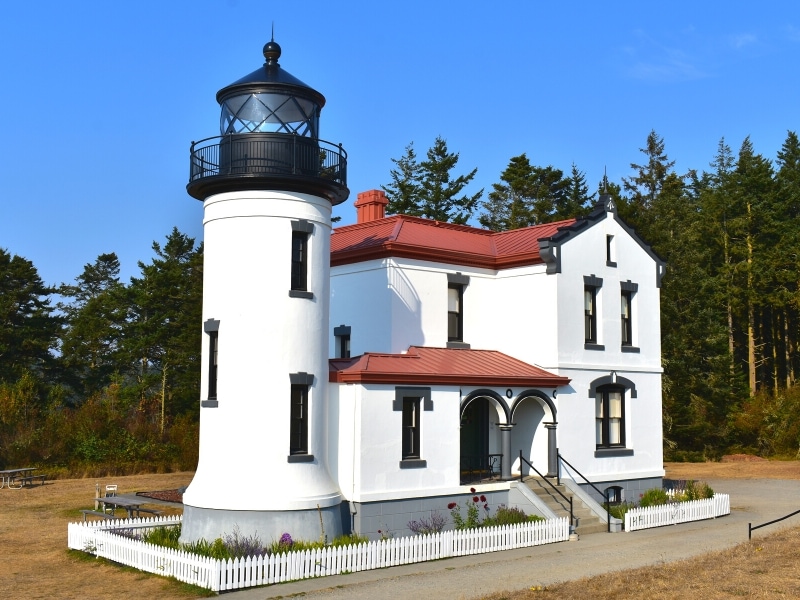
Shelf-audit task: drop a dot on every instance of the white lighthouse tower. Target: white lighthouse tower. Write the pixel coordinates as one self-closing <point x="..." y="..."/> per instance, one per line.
<point x="267" y="184"/>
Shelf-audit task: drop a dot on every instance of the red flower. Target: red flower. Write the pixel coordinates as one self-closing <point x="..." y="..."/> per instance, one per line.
<point x="475" y="499"/>
<point x="483" y="498"/>
<point x="485" y="507"/>
<point x="472" y="490"/>
<point x="452" y="505"/>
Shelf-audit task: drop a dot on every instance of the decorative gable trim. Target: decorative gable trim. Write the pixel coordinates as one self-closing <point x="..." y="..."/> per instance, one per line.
<point x="550" y="249"/>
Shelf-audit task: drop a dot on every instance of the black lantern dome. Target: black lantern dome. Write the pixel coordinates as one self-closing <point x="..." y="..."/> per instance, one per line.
<point x="269" y="139"/>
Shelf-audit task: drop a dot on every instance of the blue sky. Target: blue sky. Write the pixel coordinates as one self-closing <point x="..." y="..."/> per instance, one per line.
<point x="101" y="100"/>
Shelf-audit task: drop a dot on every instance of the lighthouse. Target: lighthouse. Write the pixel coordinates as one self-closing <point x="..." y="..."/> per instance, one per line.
<point x="268" y="184"/>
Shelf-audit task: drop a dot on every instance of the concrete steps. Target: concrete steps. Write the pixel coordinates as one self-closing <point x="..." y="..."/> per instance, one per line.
<point x="588" y="522"/>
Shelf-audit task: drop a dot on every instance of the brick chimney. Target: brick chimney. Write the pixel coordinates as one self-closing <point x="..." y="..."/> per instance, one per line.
<point x="371" y="206"/>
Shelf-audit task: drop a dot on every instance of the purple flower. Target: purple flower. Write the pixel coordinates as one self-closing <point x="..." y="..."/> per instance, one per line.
<point x="286" y="540"/>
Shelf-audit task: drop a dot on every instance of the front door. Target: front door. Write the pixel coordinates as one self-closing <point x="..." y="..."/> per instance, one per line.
<point x="474" y="440"/>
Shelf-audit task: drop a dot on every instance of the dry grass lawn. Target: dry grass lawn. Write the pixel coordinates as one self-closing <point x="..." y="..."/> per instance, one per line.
<point x="33" y="543"/>
<point x="36" y="563"/>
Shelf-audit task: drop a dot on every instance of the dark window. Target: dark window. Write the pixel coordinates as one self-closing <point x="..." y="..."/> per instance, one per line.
<point x="211" y="327"/>
<point x="455" y="316"/>
<point x="590" y="314"/>
<point x="213" y="350"/>
<point x="344" y="346"/>
<point x="611" y="256"/>
<point x="299" y="261"/>
<point x="411" y="422"/>
<point x="341" y="335"/>
<point x="614" y="494"/>
<point x="610" y="417"/>
<point x="298" y="442"/>
<point x="627" y="318"/>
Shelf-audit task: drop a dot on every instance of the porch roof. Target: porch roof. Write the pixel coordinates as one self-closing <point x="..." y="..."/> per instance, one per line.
<point x="442" y="366"/>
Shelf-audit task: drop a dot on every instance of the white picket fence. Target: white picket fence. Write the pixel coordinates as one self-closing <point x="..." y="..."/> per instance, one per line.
<point x="99" y="538"/>
<point x="678" y="512"/>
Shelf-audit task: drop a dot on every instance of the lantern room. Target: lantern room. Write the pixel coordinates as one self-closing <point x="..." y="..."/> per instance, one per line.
<point x="269" y="139"/>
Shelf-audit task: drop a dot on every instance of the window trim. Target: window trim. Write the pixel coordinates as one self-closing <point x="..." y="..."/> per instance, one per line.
<point x="591" y="329"/>
<point x="611" y="254"/>
<point x="298" y="440"/>
<point x="298" y="279"/>
<point x="628" y="290"/>
<point x="341" y="336"/>
<point x="456" y="281"/>
<point x="421" y="397"/>
<point x="605" y="420"/>
<point x="211" y="328"/>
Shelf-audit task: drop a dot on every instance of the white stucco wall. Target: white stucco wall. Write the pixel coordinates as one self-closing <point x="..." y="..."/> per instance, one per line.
<point x="264" y="335"/>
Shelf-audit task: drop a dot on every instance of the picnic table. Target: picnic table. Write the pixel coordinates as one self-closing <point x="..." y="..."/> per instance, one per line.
<point x="21" y="476"/>
<point x="131" y="505"/>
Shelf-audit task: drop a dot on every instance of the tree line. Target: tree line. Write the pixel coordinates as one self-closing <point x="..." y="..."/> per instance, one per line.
<point x="101" y="375"/>
<point x="730" y="301"/>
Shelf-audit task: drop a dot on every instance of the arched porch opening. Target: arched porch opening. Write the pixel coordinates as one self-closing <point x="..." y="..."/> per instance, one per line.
<point x="533" y="415"/>
<point x="481" y="451"/>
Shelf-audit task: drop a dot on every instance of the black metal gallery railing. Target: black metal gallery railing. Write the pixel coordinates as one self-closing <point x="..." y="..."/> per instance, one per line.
<point x="604" y="495"/>
<point x="268" y="154"/>
<point x="522" y="459"/>
<point x="476" y="467"/>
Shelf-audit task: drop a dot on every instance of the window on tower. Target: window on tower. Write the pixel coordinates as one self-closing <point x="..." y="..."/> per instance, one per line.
<point x="456" y="284"/>
<point x="211" y="327"/>
<point x="301" y="232"/>
<point x="301" y="384"/>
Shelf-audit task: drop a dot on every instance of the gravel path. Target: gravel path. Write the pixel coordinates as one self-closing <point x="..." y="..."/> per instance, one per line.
<point x="752" y="501"/>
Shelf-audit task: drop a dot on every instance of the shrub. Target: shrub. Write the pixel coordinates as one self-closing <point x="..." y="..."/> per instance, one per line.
<point x="424" y="526"/>
<point x="241" y="546"/>
<point x="618" y="510"/>
<point x="509" y="516"/>
<point x="697" y="490"/>
<point x="653" y="497"/>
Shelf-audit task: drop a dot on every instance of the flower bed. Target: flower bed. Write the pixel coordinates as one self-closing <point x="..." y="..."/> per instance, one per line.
<point x="101" y="539"/>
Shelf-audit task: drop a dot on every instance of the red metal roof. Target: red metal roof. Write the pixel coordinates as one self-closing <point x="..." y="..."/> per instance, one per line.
<point x="442" y="366"/>
<point x="413" y="237"/>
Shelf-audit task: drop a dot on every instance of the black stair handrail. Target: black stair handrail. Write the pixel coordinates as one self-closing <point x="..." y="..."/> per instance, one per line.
<point x="560" y="493"/>
<point x="604" y="495"/>
<point x="751" y="529"/>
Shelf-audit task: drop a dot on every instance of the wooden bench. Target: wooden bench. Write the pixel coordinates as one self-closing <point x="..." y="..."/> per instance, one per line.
<point x="96" y="513"/>
<point x="149" y="510"/>
<point x="29" y="479"/>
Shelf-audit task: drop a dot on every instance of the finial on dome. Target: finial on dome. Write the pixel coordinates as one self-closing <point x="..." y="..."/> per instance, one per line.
<point x="272" y="51"/>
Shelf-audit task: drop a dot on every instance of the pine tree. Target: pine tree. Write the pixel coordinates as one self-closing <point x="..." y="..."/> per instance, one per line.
<point x="28" y="327"/>
<point x="95" y="320"/>
<point x="428" y="189"/>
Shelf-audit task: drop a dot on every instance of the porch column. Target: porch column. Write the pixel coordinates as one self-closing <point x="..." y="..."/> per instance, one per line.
<point x="552" y="450"/>
<point x="505" y="444"/>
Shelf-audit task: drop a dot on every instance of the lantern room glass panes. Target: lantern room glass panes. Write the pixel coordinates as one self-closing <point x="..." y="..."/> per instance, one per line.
<point x="269" y="113"/>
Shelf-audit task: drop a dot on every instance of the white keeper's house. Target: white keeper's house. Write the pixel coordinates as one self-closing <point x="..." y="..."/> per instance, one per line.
<point x="359" y="378"/>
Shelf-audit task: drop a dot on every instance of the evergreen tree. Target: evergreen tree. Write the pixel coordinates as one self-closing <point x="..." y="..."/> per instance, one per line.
<point x="428" y="189"/>
<point x="163" y="333"/>
<point x="95" y="320"/>
<point x="404" y="191"/>
<point x="576" y="200"/>
<point x="531" y="195"/>
<point x="645" y="186"/>
<point x="28" y="328"/>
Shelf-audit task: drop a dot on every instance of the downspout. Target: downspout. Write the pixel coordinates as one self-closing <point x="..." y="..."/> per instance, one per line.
<point x="353" y="511"/>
